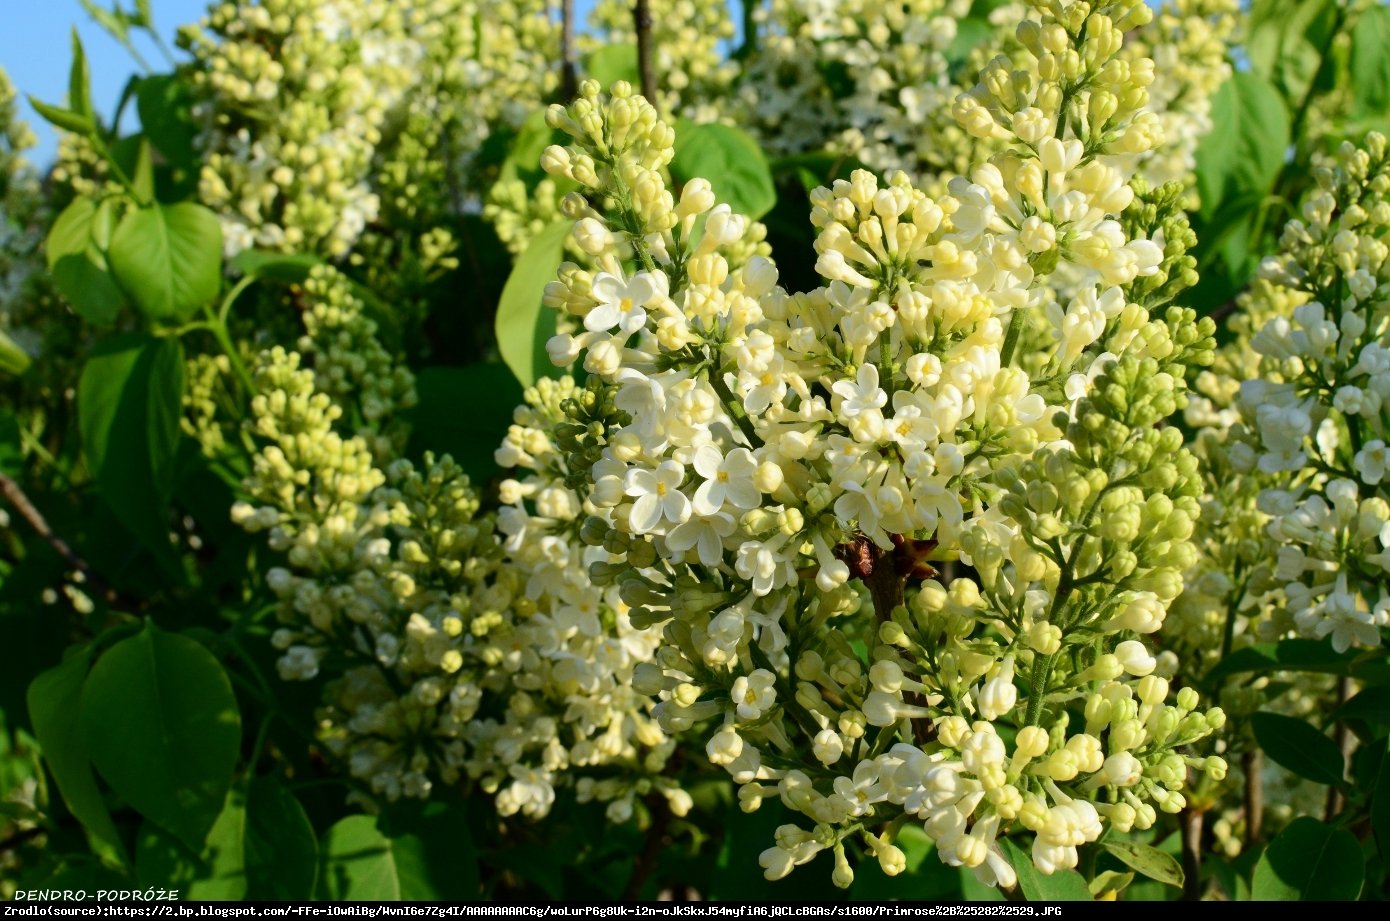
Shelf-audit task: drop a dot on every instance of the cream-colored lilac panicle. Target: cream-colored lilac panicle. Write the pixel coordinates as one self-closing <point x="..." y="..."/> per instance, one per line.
<point x="457" y="647"/>
<point x="869" y="80"/>
<point x="1312" y="453"/>
<point x="908" y="536"/>
<point x="322" y="119"/>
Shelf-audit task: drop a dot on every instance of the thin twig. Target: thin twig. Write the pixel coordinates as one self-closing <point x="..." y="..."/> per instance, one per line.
<point x="642" y="22"/>
<point x="569" y="79"/>
<point x="651" y="847"/>
<point x="15" y="495"/>
<point x="1336" y="800"/>
<point x="1254" y="796"/>
<point x="20" y="837"/>
<point x="1191" y="820"/>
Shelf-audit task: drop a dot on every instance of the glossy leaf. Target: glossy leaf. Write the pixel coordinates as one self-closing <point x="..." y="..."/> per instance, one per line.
<point x="356" y="862"/>
<point x="1285" y="43"/>
<point x="163" y="728"/>
<point x="79" y="81"/>
<point x="165" y="103"/>
<point x="1296" y="745"/>
<point x="612" y="63"/>
<point x="63" y="118"/>
<point x="524" y="325"/>
<point x="1247" y="153"/>
<point x="260" y="847"/>
<point x="732" y="162"/>
<point x="168" y="258"/>
<point x="77" y="263"/>
<point x="129" y="402"/>
<point x="523" y="159"/>
<point x="1370" y="704"/>
<point x="54" y="697"/>
<point x="1150" y="861"/>
<point x="281" y="849"/>
<point x="1310" y="861"/>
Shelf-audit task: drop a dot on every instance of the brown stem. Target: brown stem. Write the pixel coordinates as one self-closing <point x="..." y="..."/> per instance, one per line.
<point x="1336" y="800"/>
<point x="885" y="584"/>
<point x="1254" y="796"/>
<point x="569" y="79"/>
<point x="651" y="847"/>
<point x="20" y="837"/>
<point x="16" y="497"/>
<point x="642" y="22"/>
<point x="1191" y="820"/>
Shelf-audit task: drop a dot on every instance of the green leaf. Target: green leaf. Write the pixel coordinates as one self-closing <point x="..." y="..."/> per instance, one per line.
<point x="612" y="63"/>
<point x="732" y="162"/>
<point x="113" y="21"/>
<point x="1150" y="861"/>
<point x="140" y="168"/>
<point x="1298" y="656"/>
<point x="1310" y="861"/>
<point x="13" y="359"/>
<point x="79" y="81"/>
<point x="489" y="390"/>
<point x="129" y="402"/>
<point x="1109" y="883"/>
<point x="1245" y="155"/>
<point x="286" y="268"/>
<point x="524" y="325"/>
<point x="1380" y="802"/>
<point x="260" y="847"/>
<point x="433" y="851"/>
<point x="78" y="265"/>
<point x="162" y="725"/>
<point x="282" y="853"/>
<point x="1370" y="62"/>
<point x="523" y="159"/>
<point x="1285" y="42"/>
<point x="1062" y="886"/>
<point x="1371" y="705"/>
<point x="356" y="863"/>
<point x="1295" y="745"/>
<point x="215" y="871"/>
<point x="54" y="697"/>
<point x="63" y="118"/>
<point x="168" y="258"/>
<point x="971" y="32"/>
<point x="165" y="105"/>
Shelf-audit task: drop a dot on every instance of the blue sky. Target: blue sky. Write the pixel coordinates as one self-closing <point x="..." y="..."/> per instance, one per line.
<point x="34" y="49"/>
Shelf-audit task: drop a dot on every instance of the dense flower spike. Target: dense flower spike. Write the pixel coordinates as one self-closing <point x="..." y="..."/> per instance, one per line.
<point x="865" y="79"/>
<point x="1312" y="441"/>
<point x="456" y="645"/>
<point x="20" y="261"/>
<point x="321" y="118"/>
<point x="780" y="465"/>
